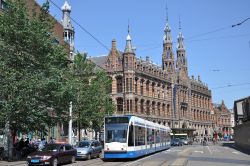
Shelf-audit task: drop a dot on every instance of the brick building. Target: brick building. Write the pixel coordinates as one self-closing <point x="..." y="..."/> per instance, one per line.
<point x="164" y="94"/>
<point x="221" y="118"/>
<point x="63" y="31"/>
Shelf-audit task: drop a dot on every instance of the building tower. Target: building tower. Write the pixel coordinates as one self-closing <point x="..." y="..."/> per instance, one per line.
<point x="181" y="63"/>
<point x="129" y="52"/>
<point x="128" y="66"/>
<point x="167" y="55"/>
<point x="69" y="33"/>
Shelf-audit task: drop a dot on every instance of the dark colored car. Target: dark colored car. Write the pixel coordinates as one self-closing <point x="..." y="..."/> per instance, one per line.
<point x="176" y="142"/>
<point x="53" y="154"/>
<point x="89" y="148"/>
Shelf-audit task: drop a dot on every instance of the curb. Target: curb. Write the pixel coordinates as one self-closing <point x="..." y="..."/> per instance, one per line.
<point x="6" y="163"/>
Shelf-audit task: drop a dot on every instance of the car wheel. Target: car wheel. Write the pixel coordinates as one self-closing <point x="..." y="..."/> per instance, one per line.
<point x="73" y="159"/>
<point x="89" y="156"/>
<point x="55" y="162"/>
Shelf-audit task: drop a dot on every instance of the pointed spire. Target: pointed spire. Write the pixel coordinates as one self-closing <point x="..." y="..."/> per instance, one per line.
<point x="69" y="33"/>
<point x="66" y="6"/>
<point x="180" y="37"/>
<point x="166" y="11"/>
<point x="179" y="23"/>
<point x="128" y="48"/>
<point x="66" y="21"/>
<point x="167" y="36"/>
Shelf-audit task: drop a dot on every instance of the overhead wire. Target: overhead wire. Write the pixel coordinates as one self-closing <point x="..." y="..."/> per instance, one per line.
<point x="231" y="85"/>
<point x="213" y="31"/>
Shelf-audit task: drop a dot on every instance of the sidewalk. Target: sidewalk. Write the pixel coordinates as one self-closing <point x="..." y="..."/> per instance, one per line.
<point x="13" y="163"/>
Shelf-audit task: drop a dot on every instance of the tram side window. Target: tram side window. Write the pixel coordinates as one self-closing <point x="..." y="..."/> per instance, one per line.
<point x="150" y="136"/>
<point x="168" y="138"/>
<point x="163" y="136"/>
<point x="158" y="139"/>
<point x="131" y="136"/>
<point x="139" y="136"/>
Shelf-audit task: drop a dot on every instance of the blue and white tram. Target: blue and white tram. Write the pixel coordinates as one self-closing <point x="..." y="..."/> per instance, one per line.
<point x="132" y="137"/>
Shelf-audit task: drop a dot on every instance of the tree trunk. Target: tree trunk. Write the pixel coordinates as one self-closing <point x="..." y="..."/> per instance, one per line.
<point x="79" y="132"/>
<point x="9" y="142"/>
<point x="96" y="134"/>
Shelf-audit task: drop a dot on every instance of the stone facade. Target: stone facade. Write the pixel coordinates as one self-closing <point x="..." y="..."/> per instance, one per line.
<point x="164" y="94"/>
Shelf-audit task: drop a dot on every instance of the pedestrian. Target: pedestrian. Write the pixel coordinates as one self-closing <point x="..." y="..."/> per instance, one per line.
<point x="42" y="144"/>
<point x="27" y="142"/>
<point x="51" y="140"/>
<point x="204" y="141"/>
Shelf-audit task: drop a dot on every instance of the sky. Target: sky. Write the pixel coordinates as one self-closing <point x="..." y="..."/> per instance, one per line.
<point x="215" y="50"/>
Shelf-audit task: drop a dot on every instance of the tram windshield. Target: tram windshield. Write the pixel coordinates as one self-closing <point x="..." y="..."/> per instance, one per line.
<point x="116" y="133"/>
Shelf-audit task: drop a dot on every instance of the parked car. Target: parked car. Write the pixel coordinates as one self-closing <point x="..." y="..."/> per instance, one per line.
<point x="184" y="141"/>
<point x="53" y="154"/>
<point x="88" y="148"/>
<point x="176" y="142"/>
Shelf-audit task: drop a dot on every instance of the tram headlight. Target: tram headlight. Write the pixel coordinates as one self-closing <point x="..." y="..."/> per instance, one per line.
<point x="124" y="147"/>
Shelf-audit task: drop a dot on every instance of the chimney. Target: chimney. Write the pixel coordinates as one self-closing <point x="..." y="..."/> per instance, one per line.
<point x="113" y="45"/>
<point x="147" y="58"/>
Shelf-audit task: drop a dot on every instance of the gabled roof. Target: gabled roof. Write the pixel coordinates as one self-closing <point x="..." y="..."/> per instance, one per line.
<point x="99" y="61"/>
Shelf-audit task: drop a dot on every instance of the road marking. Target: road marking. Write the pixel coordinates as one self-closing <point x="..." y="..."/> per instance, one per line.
<point x="209" y="150"/>
<point x="143" y="158"/>
<point x="235" y="152"/>
<point x="197" y="151"/>
<point x="169" y="150"/>
<point x="215" y="150"/>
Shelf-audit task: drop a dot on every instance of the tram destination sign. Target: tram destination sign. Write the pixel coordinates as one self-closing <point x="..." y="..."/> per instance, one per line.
<point x="112" y="120"/>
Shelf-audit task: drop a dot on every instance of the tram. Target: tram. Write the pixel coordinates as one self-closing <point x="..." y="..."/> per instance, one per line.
<point x="132" y="137"/>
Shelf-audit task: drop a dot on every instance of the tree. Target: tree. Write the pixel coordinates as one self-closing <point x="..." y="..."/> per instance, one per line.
<point x="32" y="68"/>
<point x="91" y="88"/>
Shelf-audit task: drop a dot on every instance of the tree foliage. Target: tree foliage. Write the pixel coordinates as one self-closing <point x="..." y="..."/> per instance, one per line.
<point x="92" y="99"/>
<point x="31" y="69"/>
<point x="37" y="82"/>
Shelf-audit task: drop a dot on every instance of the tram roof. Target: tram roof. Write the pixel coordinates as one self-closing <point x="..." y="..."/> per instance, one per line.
<point x="142" y="122"/>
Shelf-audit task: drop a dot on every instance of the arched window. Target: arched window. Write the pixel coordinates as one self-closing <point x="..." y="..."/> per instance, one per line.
<point x="147" y="88"/>
<point x="148" y="107"/>
<point x="163" y="109"/>
<point x="153" y="108"/>
<point x="141" y="87"/>
<point x="119" y="84"/>
<point x="142" y="109"/>
<point x="119" y="105"/>
<point x="136" y="82"/>
<point x="159" y="109"/>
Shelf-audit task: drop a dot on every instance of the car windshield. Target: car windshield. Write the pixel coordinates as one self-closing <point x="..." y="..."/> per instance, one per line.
<point x="51" y="147"/>
<point x="84" y="144"/>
